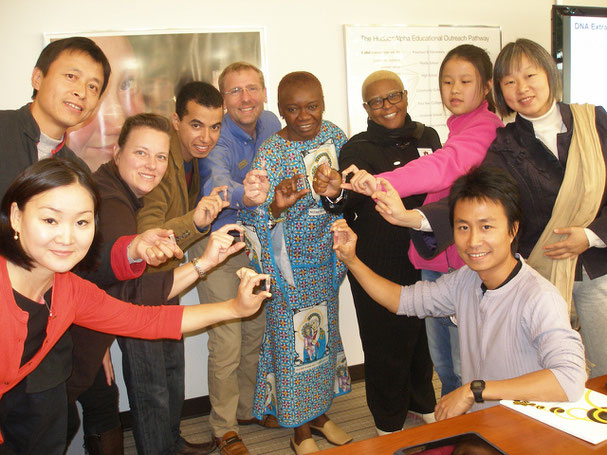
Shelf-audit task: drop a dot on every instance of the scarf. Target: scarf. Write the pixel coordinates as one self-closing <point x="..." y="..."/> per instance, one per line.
<point x="385" y="137"/>
<point x="578" y="200"/>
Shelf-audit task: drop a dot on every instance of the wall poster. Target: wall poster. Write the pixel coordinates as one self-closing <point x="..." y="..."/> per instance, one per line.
<point x="147" y="68"/>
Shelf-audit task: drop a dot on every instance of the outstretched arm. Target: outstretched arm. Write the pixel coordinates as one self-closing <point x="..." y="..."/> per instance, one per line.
<point x="390" y="207"/>
<point x="154" y="246"/>
<point x="220" y="246"/>
<point x="244" y="304"/>
<point x="383" y="291"/>
<point x="437" y="171"/>
<point x="360" y="180"/>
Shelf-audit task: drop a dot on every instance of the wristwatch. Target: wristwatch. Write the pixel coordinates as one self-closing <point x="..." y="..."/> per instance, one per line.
<point x="477" y="386"/>
<point x="201" y="273"/>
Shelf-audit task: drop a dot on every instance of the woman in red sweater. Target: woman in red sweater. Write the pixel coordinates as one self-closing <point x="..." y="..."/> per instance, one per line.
<point x="47" y="225"/>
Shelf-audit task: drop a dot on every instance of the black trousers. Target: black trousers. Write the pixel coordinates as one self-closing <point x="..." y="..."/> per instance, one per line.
<point x="33" y="423"/>
<point x="398" y="368"/>
<point x="100" y="411"/>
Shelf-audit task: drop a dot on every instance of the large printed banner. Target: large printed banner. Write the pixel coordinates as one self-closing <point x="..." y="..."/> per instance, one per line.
<point x="415" y="54"/>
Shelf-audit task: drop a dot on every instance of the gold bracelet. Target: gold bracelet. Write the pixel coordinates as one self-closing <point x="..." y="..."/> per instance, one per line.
<point x="201" y="273"/>
<point x="280" y="218"/>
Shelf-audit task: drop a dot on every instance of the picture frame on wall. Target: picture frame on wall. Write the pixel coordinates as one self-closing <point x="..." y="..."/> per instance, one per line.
<point x="148" y="68"/>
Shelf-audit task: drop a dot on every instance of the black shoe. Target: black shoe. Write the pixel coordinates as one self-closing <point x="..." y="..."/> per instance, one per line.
<point x="109" y="443"/>
<point x="189" y="448"/>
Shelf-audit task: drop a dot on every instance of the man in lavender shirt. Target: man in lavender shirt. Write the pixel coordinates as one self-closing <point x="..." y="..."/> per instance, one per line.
<point x="516" y="341"/>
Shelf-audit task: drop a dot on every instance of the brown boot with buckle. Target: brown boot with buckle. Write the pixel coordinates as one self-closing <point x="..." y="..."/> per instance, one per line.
<point x="231" y="444"/>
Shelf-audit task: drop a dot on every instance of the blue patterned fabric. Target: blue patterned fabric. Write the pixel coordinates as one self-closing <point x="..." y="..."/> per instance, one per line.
<point x="302" y="365"/>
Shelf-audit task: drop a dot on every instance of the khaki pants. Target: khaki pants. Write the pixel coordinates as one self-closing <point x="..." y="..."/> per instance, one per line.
<point x="233" y="347"/>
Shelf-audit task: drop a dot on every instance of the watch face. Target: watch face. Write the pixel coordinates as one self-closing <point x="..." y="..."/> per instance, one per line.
<point x="477" y="388"/>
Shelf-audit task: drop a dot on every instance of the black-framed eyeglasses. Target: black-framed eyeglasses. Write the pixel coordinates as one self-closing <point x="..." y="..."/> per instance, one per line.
<point x="392" y="98"/>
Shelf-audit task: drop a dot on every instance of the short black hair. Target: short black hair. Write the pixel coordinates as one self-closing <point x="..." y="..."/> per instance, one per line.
<point x="147" y="120"/>
<point x="74" y="44"/>
<point x="493" y="184"/>
<point x="42" y="176"/>
<point x="298" y="78"/>
<point x="202" y="93"/>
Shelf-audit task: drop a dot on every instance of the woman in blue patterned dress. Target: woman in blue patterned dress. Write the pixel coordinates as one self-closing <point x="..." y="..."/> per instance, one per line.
<point x="289" y="239"/>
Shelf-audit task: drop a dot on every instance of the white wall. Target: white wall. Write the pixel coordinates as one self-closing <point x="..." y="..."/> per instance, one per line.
<point x="299" y="35"/>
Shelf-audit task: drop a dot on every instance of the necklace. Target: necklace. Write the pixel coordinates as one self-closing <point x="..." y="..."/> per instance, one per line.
<point x="48" y="307"/>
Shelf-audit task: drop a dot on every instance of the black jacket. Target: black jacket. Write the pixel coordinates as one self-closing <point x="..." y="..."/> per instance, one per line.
<point x="539" y="175"/>
<point x="19" y="137"/>
<point x="117" y="218"/>
<point x="381" y="245"/>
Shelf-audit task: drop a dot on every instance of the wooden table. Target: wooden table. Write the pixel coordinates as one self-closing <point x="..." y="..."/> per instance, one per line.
<point x="511" y="431"/>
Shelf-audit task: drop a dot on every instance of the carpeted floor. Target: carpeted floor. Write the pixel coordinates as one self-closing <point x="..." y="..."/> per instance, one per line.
<point x="349" y="411"/>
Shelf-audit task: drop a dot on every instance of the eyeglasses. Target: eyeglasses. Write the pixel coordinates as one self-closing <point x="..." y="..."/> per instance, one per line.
<point x="239" y="91"/>
<point x="392" y="98"/>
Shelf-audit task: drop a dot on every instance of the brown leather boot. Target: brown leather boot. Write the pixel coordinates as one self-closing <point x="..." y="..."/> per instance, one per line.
<point x="109" y="443"/>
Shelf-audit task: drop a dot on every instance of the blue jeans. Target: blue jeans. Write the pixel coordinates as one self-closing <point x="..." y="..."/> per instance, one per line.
<point x="154" y="374"/>
<point x="443" y="342"/>
<point x="590" y="299"/>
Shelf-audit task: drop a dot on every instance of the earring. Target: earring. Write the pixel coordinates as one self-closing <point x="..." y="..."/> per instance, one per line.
<point x="16" y="236"/>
